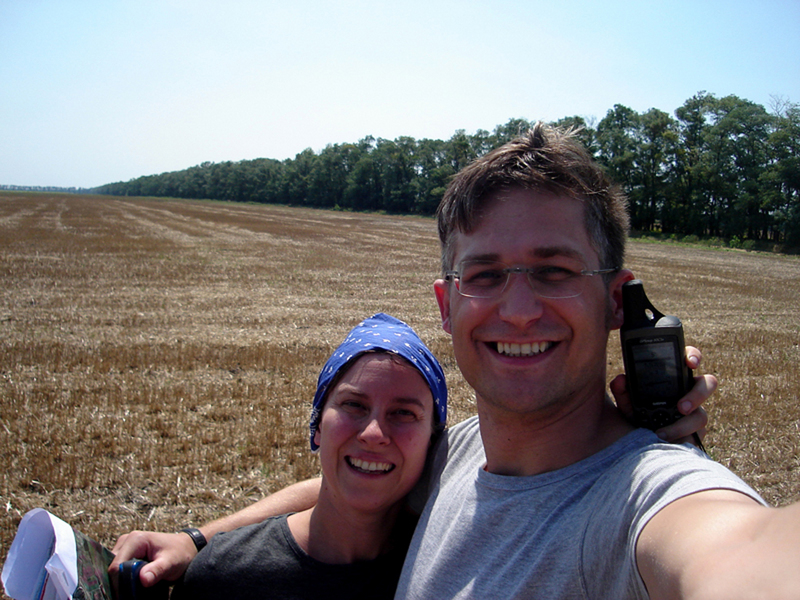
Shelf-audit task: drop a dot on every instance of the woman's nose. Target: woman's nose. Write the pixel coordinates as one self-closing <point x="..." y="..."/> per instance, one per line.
<point x="374" y="432"/>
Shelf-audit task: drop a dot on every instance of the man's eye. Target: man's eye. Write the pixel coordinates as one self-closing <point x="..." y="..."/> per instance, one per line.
<point x="485" y="277"/>
<point x="553" y="273"/>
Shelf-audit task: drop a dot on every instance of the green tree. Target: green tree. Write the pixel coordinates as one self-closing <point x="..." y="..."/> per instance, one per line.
<point x="364" y="186"/>
<point x="434" y="172"/>
<point x="737" y="157"/>
<point x="617" y="144"/>
<point x="329" y="179"/>
<point x="297" y="174"/>
<point x="393" y="161"/>
<point x="655" y="152"/>
<point x="689" y="213"/>
<point x="266" y="175"/>
<point x="781" y="180"/>
<point x="459" y="150"/>
<point x="510" y="130"/>
<point x="586" y="132"/>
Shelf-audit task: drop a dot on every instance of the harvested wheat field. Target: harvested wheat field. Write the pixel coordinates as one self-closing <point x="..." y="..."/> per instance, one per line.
<point x="157" y="357"/>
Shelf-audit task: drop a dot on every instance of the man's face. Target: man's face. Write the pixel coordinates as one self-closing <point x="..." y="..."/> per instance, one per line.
<point x="520" y="352"/>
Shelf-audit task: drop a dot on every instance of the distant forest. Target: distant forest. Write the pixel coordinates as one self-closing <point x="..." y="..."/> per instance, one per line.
<point x="724" y="169"/>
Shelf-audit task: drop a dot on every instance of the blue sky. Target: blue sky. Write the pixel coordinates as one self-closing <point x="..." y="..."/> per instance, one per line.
<point x="97" y="91"/>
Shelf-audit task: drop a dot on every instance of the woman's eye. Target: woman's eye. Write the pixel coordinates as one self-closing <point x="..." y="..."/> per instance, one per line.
<point x="406" y="416"/>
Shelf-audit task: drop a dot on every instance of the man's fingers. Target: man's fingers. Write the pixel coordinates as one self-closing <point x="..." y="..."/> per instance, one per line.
<point x="128" y="546"/>
<point x="682" y="429"/>
<point x="704" y="386"/>
<point x="151" y="573"/>
<point x="695" y="416"/>
<point x="119" y="543"/>
<point x="693" y="357"/>
<point x="621" y="397"/>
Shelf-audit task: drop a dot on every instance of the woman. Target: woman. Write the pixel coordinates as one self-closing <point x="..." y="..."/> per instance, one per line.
<point x="380" y="399"/>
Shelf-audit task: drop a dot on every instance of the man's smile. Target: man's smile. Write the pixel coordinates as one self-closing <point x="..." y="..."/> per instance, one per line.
<point x="524" y="349"/>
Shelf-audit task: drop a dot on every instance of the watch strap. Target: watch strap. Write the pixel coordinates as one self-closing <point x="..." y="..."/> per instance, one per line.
<point x="197" y="537"/>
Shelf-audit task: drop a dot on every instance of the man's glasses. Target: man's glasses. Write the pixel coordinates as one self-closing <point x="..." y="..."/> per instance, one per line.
<point x="488" y="279"/>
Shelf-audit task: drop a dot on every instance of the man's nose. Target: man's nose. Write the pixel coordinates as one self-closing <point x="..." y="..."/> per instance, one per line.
<point x="520" y="303"/>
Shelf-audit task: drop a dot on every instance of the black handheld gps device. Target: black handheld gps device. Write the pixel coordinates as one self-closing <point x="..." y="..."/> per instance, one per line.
<point x="654" y="354"/>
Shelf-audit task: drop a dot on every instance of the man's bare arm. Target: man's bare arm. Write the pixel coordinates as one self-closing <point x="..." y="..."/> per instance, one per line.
<point x="721" y="544"/>
<point x="294" y="498"/>
<point x="170" y="553"/>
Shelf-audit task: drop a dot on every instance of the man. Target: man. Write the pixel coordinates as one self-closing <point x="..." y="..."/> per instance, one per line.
<point x="569" y="500"/>
<point x="550" y="492"/>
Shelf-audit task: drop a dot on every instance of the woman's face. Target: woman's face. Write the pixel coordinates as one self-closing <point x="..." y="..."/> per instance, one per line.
<point x="374" y="432"/>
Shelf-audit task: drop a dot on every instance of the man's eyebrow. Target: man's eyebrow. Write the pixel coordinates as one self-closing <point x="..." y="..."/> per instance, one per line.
<point x="543" y="252"/>
<point x="551" y="251"/>
<point x="484" y="257"/>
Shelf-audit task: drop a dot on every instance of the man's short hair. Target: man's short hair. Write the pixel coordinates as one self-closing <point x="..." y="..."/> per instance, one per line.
<point x="546" y="159"/>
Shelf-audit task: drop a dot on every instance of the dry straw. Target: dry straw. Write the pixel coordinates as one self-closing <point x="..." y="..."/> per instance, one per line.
<point x="157" y="358"/>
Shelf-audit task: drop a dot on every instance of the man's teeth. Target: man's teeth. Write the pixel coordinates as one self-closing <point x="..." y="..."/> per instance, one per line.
<point x="525" y="349"/>
<point x="371" y="467"/>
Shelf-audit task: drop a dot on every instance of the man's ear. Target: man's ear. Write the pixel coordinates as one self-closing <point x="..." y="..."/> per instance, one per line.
<point x="616" y="316"/>
<point x="442" y="290"/>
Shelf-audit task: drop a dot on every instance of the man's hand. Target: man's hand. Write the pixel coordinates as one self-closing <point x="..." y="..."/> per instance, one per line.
<point x="169" y="555"/>
<point x="695" y="417"/>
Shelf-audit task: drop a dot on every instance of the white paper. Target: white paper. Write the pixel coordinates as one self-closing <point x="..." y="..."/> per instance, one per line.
<point x="43" y="544"/>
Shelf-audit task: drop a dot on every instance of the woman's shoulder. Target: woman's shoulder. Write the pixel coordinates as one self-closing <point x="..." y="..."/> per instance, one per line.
<point x="242" y="546"/>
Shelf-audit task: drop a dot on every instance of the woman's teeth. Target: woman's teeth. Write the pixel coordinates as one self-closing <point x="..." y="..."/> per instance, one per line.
<point x="370" y="467"/>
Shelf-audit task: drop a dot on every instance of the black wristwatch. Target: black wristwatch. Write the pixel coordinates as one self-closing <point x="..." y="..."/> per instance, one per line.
<point x="197" y="537"/>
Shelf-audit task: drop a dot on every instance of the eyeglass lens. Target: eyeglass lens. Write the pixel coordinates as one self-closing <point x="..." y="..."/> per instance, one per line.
<point x="479" y="279"/>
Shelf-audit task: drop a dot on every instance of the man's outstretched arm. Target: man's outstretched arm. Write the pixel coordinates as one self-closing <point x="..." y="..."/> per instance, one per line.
<point x="721" y="544"/>
<point x="170" y="553"/>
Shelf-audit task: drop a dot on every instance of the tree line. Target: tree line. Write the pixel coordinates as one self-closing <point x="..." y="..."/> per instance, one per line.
<point x="721" y="168"/>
